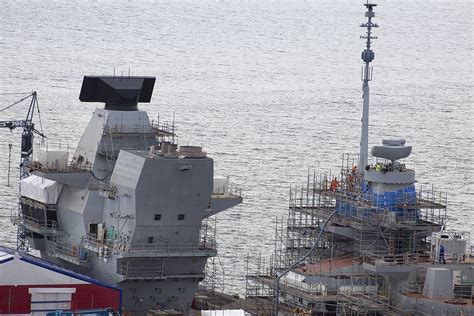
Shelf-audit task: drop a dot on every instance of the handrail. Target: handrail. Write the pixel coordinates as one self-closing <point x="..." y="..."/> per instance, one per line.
<point x="70" y="251"/>
<point x="37" y="223"/>
<point x="130" y="271"/>
<point x="397" y="259"/>
<point x="313" y="288"/>
<point x="160" y="247"/>
<point x="171" y="247"/>
<point x="56" y="167"/>
<point x="232" y="191"/>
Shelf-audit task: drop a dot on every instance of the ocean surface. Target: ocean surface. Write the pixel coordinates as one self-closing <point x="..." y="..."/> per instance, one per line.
<point x="270" y="89"/>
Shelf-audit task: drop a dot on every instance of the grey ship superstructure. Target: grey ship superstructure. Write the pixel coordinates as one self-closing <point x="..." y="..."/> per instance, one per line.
<point x="368" y="240"/>
<point x="130" y="207"/>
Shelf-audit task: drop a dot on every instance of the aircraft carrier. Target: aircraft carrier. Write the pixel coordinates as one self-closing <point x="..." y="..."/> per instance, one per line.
<point x="129" y="206"/>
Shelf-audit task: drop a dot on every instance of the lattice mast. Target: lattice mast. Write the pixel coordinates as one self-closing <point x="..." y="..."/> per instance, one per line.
<point x="367" y="56"/>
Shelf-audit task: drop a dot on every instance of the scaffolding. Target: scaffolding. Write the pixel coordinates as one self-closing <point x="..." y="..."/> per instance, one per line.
<point x="366" y="224"/>
<point x="371" y="227"/>
<point x="359" y="295"/>
<point x="114" y="138"/>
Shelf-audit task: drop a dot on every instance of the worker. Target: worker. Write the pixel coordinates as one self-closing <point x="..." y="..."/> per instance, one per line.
<point x="441" y="255"/>
<point x="354" y="169"/>
<point x="350" y="178"/>
<point x="379" y="167"/>
<point x="350" y="181"/>
<point x="334" y="184"/>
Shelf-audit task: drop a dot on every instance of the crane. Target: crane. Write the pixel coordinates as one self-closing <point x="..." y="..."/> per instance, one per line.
<point x="26" y="152"/>
<point x="27" y="135"/>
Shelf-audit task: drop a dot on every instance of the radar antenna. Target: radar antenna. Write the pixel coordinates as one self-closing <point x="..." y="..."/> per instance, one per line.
<point x="367" y="56"/>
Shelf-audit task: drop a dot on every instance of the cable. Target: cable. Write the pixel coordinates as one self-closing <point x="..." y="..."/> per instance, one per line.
<point x="21" y="100"/>
<point x="300" y="261"/>
<point x="39" y="114"/>
<point x="13" y="93"/>
<point x="98" y="179"/>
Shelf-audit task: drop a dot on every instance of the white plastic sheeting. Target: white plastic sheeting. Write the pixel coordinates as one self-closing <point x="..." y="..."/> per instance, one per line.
<point x="220" y="185"/>
<point x="53" y="159"/>
<point x="40" y="189"/>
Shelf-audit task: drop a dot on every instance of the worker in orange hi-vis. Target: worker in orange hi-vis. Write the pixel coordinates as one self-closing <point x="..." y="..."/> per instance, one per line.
<point x="334" y="184"/>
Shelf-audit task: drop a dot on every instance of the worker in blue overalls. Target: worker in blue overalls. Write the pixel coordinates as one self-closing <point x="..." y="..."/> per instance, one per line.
<point x="441" y="255"/>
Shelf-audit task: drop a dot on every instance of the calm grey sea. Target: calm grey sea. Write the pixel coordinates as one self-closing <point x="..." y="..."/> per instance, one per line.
<point x="271" y="89"/>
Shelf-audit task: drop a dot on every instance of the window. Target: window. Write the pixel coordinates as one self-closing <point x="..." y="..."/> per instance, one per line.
<point x="157" y="217"/>
<point x="180" y="217"/>
<point x="150" y="240"/>
<point x="55" y="298"/>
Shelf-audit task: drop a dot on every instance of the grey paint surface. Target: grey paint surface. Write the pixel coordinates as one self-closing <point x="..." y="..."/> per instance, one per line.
<point x="153" y="207"/>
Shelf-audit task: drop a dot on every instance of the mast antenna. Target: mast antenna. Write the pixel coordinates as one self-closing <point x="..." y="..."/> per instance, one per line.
<point x="367" y="56"/>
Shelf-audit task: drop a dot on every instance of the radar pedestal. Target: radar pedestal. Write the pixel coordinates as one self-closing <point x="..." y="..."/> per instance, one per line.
<point x="392" y="175"/>
<point x="119" y="125"/>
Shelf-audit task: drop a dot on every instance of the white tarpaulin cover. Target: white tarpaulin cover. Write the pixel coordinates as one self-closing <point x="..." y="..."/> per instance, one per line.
<point x="220" y="185"/>
<point x="53" y="159"/>
<point x="40" y="189"/>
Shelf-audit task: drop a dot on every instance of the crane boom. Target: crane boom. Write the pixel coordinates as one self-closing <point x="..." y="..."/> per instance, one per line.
<point x="26" y="153"/>
<point x="27" y="134"/>
<point x="12" y="124"/>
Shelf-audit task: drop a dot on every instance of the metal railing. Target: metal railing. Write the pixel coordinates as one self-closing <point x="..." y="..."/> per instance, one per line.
<point x="226" y="192"/>
<point x="141" y="272"/>
<point x="416" y="287"/>
<point x="412" y="287"/>
<point x="204" y="246"/>
<point x="107" y="190"/>
<point x="91" y="243"/>
<point x="165" y="129"/>
<point x="436" y="198"/>
<point x="172" y="248"/>
<point x="311" y="288"/>
<point x="71" y="167"/>
<point x="36" y="225"/>
<point x="70" y="253"/>
<point x="398" y="259"/>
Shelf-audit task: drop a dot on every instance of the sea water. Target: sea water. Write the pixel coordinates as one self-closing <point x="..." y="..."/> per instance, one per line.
<point x="270" y="89"/>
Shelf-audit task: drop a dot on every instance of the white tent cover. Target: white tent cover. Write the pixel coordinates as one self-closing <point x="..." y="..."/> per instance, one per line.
<point x="53" y="159"/>
<point x="220" y="185"/>
<point x="40" y="189"/>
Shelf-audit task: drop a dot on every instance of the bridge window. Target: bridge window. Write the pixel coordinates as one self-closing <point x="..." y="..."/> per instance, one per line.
<point x="157" y="217"/>
<point x="180" y="217"/>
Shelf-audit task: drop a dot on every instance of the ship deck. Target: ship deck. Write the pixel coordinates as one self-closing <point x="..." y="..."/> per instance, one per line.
<point x="208" y="299"/>
<point x="293" y="290"/>
<point x="331" y="266"/>
<point x="428" y="301"/>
